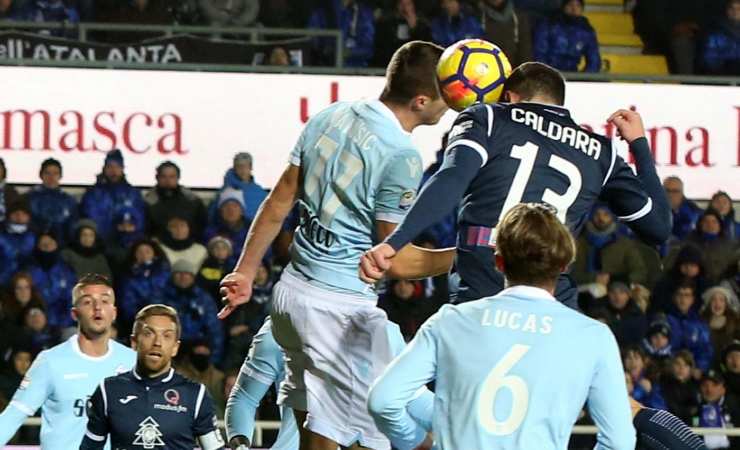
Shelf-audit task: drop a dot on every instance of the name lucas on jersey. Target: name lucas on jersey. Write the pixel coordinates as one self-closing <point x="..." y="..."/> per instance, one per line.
<point x="516" y="321"/>
<point x="578" y="139"/>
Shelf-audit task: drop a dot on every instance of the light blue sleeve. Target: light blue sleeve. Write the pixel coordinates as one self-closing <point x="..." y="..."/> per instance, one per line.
<point x="608" y="402"/>
<point x="30" y="395"/>
<point x="397" y="190"/>
<point x="297" y="152"/>
<point x="403" y="378"/>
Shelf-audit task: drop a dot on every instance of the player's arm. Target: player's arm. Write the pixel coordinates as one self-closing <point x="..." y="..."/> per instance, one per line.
<point x="641" y="202"/>
<point x="413" y="262"/>
<point x="205" y="425"/>
<point x="98" y="428"/>
<point x="421" y="408"/>
<point x="392" y="392"/>
<point x="608" y="402"/>
<point x="30" y="395"/>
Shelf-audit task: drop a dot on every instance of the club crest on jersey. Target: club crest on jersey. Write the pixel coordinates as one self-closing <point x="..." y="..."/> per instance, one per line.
<point x="407" y="199"/>
<point x="460" y="128"/>
<point x="414" y="166"/>
<point x="172" y="397"/>
<point x="148" y="435"/>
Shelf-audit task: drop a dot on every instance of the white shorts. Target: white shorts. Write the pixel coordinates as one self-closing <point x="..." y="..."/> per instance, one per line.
<point x="335" y="346"/>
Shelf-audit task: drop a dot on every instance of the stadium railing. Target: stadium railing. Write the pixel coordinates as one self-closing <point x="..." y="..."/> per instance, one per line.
<point x="256" y="35"/>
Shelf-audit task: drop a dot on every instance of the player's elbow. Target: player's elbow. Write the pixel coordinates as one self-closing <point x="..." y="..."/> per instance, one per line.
<point x="378" y="404"/>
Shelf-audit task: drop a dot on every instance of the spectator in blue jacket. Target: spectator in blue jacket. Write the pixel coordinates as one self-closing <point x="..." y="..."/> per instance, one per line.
<point x="688" y="331"/>
<point x="685" y="212"/>
<point x="566" y="38"/>
<point x="52" y="208"/>
<point x="110" y="194"/>
<point x="52" y="11"/>
<point x="657" y="341"/>
<point x="230" y="222"/>
<point x="17" y="241"/>
<point x="54" y="279"/>
<point x="454" y="24"/>
<point x="241" y="177"/>
<point x="196" y="308"/>
<point x="356" y="22"/>
<point x="645" y="387"/>
<point x="722" y="203"/>
<point x="721" y="50"/>
<point x="144" y="281"/>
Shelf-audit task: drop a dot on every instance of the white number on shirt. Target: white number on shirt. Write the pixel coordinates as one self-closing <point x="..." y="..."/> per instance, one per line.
<point x="527" y="154"/>
<point x="498" y="379"/>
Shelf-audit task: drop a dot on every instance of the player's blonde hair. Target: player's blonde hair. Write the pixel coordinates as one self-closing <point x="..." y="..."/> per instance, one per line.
<point x="91" y="279"/>
<point x="156" y="309"/>
<point x="534" y="245"/>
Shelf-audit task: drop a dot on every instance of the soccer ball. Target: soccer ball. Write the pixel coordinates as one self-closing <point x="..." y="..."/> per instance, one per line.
<point x="470" y="71"/>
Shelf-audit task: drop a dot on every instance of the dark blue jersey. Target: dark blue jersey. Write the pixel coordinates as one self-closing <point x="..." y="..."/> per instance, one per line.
<point x="168" y="412"/>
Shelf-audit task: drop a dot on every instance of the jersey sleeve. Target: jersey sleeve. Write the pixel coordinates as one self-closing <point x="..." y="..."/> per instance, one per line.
<point x="472" y="130"/>
<point x="97" y="421"/>
<point x="297" y="152"/>
<point x="397" y="190"/>
<point x="624" y="192"/>
<point x="205" y="425"/>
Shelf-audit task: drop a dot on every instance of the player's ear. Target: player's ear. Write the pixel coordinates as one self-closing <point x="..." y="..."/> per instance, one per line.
<point x="499" y="262"/>
<point x="73" y="313"/>
<point x="419" y="102"/>
<point x="175" y="348"/>
<point x="512" y="97"/>
<point x="134" y="342"/>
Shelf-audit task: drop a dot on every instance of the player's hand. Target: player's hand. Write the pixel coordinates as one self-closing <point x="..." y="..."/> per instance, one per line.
<point x="629" y="124"/>
<point x="375" y="262"/>
<point x="427" y="443"/>
<point x="236" y="289"/>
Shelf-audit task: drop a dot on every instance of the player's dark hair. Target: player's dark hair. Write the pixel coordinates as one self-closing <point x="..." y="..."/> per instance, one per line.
<point x="156" y="309"/>
<point x="90" y="279"/>
<point x="50" y="162"/>
<point x="535" y="79"/>
<point x="412" y="71"/>
<point x="534" y="245"/>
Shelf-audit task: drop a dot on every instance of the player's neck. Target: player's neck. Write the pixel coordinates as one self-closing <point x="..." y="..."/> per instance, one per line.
<point x="95" y="345"/>
<point x="142" y="371"/>
<point x="542" y="101"/>
<point x="406" y="118"/>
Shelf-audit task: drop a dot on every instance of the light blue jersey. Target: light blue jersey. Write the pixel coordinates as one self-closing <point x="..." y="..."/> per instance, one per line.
<point x="358" y="166"/>
<point x="59" y="382"/>
<point x="512" y="371"/>
<point x="265" y="366"/>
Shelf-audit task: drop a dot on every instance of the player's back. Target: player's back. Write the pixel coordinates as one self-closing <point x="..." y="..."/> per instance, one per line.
<point x="514" y="370"/>
<point x="349" y="156"/>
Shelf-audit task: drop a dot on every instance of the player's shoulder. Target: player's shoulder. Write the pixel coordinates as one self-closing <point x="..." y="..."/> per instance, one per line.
<point x="180" y="381"/>
<point x="121" y="349"/>
<point x="585" y="325"/>
<point x="62" y="350"/>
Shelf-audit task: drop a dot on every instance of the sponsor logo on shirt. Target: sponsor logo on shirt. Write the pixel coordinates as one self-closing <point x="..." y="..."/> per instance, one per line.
<point x="127" y="399"/>
<point x="172" y="396"/>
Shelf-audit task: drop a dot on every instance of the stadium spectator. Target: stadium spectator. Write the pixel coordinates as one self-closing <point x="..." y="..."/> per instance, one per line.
<point x="179" y="243"/>
<point x="17" y="233"/>
<point x="85" y="251"/>
<point x="645" y="390"/>
<point x="688" y="268"/>
<point x="230" y="222"/>
<point x="240" y="177"/>
<point x="218" y="263"/>
<point x="722" y="203"/>
<point x="230" y="13"/>
<point x="563" y="40"/>
<point x="37" y="332"/>
<point x="625" y="319"/>
<point x="657" y="341"/>
<point x="144" y="282"/>
<point x="685" y="212"/>
<point x="717" y="249"/>
<point x="356" y="22"/>
<point x="279" y="57"/>
<point x="721" y="312"/>
<point x="52" y="11"/>
<point x="718" y="409"/>
<point x="8" y="193"/>
<point x="508" y="28"/>
<point x="54" y="279"/>
<point x="127" y="225"/>
<point x="9" y="10"/>
<point x="720" y="53"/>
<point x="454" y="24"/>
<point x="680" y="389"/>
<point x="397" y="26"/>
<point x="604" y="255"/>
<point x="169" y="198"/>
<point x="110" y="194"/>
<point x="730" y="364"/>
<point x="198" y="367"/>
<point x="404" y="304"/>
<point x="20" y="360"/>
<point x="52" y="208"/>
<point x="146" y="12"/>
<point x="688" y="331"/>
<point x="196" y="309"/>
<point x="20" y="294"/>
<point x="539" y="8"/>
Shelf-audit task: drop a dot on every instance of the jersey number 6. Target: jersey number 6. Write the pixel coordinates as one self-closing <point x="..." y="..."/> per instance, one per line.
<point x="498" y="379"/>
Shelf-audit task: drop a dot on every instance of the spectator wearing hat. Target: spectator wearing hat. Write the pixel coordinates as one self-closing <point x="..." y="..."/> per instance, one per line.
<point x="717" y="409"/>
<point x="17" y="232"/>
<point x="219" y="262"/>
<point x="720" y="311"/>
<point x="688" y="268"/>
<point x="722" y="203"/>
<point x="454" y="24"/>
<point x="179" y="243"/>
<point x="20" y="293"/>
<point x="85" y="252"/>
<point x="110" y="194"/>
<point x="197" y="366"/>
<point x="51" y="208"/>
<point x="564" y="39"/>
<point x="657" y="341"/>
<point x="688" y="331"/>
<point x="680" y="389"/>
<point x="147" y="274"/>
<point x="730" y="364"/>
<point x="718" y="250"/>
<point x="240" y="177"/>
<point x="646" y="389"/>
<point x="230" y="222"/>
<point x="169" y="199"/>
<point x="685" y="212"/>
<point x="8" y="193"/>
<point x="625" y="319"/>
<point x="196" y="308"/>
<point x="54" y="279"/>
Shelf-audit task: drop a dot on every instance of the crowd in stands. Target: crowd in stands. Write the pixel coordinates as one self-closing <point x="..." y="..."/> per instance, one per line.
<point x="697" y="37"/>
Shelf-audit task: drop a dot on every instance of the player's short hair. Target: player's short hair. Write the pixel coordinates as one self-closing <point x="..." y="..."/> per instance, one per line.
<point x="535" y="79"/>
<point x="534" y="245"/>
<point x="90" y="279"/>
<point x="156" y="309"/>
<point x="412" y="71"/>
